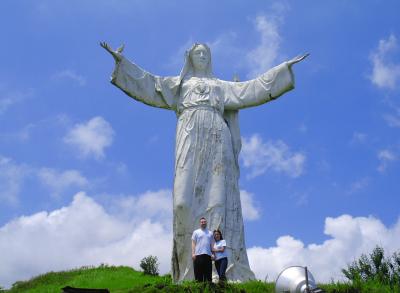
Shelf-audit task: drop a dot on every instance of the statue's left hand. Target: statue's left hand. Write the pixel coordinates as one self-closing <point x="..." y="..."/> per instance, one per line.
<point x="297" y="59"/>
<point x="117" y="54"/>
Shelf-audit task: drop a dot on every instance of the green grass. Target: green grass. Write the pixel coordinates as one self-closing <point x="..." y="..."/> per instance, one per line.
<point x="192" y="287"/>
<point x="116" y="279"/>
<point x="364" y="287"/>
<point x="125" y="279"/>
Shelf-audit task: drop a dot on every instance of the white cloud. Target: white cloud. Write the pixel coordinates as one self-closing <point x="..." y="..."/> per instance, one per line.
<point x="393" y="120"/>
<point x="267" y="53"/>
<point x="224" y="44"/>
<point x="11" y="179"/>
<point x="359" y="185"/>
<point x="59" y="181"/>
<point x="91" y="138"/>
<point x="358" y="138"/>
<point x="5" y="103"/>
<point x="350" y="237"/>
<point x="300" y="198"/>
<point x="86" y="234"/>
<point x="70" y="75"/>
<point x="156" y="205"/>
<point x="226" y="53"/>
<point x="261" y="157"/>
<point x="21" y="135"/>
<point x="251" y="211"/>
<point x="13" y="176"/>
<point x="9" y="98"/>
<point x="262" y="58"/>
<point x="385" y="73"/>
<point x="385" y="157"/>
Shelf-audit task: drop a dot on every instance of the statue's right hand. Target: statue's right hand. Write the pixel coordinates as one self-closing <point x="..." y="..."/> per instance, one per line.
<point x="117" y="54"/>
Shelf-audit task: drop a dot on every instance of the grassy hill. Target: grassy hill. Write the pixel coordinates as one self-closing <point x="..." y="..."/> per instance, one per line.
<point x="120" y="280"/>
<point x="116" y="279"/>
<point x="125" y="279"/>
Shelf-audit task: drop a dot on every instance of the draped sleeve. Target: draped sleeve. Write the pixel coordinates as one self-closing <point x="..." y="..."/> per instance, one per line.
<point x="142" y="86"/>
<point x="266" y="87"/>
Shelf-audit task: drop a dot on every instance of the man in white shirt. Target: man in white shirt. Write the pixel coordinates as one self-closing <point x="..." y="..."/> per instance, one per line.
<point x="202" y="243"/>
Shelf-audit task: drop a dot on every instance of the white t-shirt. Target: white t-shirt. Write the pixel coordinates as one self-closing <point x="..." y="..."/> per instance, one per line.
<point x="219" y="254"/>
<point x="202" y="238"/>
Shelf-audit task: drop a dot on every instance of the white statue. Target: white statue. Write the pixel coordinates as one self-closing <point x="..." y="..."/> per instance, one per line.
<point x="207" y="146"/>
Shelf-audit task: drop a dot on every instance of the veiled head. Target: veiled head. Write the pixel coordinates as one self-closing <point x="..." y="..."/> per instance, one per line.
<point x="197" y="59"/>
<point x="200" y="57"/>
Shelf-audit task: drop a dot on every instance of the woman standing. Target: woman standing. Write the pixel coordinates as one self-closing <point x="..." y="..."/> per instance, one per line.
<point x="221" y="257"/>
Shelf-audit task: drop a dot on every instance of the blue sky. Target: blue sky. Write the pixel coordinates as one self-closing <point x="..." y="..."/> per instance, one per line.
<point x="84" y="165"/>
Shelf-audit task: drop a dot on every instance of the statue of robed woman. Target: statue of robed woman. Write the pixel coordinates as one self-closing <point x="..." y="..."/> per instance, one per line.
<point x="207" y="146"/>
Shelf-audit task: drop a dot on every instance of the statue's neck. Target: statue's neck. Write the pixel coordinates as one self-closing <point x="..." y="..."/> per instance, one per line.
<point x="200" y="73"/>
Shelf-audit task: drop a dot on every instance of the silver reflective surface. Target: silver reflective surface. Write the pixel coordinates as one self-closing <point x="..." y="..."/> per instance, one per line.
<point x="293" y="280"/>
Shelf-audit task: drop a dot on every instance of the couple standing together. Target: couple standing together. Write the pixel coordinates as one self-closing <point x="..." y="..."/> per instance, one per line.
<point x="205" y="247"/>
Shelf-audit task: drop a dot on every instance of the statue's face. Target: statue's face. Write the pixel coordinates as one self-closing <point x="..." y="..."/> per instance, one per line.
<point x="200" y="57"/>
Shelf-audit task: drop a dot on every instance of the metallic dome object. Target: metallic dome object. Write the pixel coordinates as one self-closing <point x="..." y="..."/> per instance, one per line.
<point x="296" y="279"/>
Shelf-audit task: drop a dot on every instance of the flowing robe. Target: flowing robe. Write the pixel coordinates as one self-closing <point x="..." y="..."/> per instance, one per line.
<point x="206" y="153"/>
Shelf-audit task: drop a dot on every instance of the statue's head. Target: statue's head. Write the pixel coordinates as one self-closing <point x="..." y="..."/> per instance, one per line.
<point x="197" y="58"/>
<point x="200" y="56"/>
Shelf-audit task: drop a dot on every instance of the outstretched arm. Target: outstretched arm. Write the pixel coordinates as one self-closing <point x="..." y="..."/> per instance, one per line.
<point x="264" y="88"/>
<point x="138" y="83"/>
